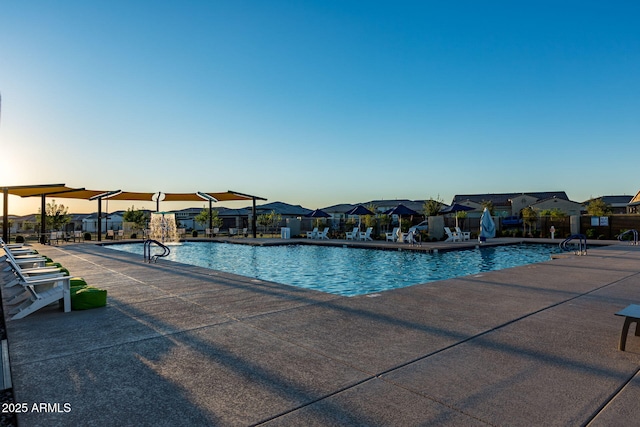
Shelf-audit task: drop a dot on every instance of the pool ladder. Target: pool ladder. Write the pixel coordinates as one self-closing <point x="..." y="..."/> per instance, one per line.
<point x="148" y="256"/>
<point x="581" y="247"/>
<point x="633" y="232"/>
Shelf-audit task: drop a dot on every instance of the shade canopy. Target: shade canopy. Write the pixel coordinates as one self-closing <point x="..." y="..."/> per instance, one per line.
<point x="318" y="213"/>
<point x="401" y="210"/>
<point x="359" y="210"/>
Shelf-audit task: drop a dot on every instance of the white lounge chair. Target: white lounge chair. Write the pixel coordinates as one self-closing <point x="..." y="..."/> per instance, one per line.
<point x="392" y="236"/>
<point x="312" y="234"/>
<point x="38" y="293"/>
<point x="324" y="235"/>
<point x="464" y="235"/>
<point x="366" y="235"/>
<point x="410" y="237"/>
<point x="452" y="236"/>
<point x="352" y="235"/>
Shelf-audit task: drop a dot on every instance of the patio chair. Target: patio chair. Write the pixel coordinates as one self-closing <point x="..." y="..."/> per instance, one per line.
<point x="324" y="235"/>
<point x="312" y="234"/>
<point x="366" y="235"/>
<point x="392" y="236"/>
<point x="24" y="260"/>
<point x="30" y="271"/>
<point x="111" y="235"/>
<point x="410" y="237"/>
<point x="352" y="235"/>
<point x="38" y="293"/>
<point x="452" y="236"/>
<point x="464" y="235"/>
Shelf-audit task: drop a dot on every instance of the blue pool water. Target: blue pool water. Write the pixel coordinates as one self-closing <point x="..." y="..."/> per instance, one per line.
<point x="348" y="271"/>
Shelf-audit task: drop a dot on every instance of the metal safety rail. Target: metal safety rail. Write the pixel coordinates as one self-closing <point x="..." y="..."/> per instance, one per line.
<point x="634" y="234"/>
<point x="579" y="249"/>
<point x="148" y="256"/>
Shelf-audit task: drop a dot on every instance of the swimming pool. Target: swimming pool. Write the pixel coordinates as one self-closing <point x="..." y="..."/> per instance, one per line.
<point x="348" y="271"/>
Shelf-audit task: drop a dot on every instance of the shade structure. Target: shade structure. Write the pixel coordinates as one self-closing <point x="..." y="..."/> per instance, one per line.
<point x="359" y="210"/>
<point x="487" y="226"/>
<point x="455" y="208"/>
<point x="318" y="213"/>
<point x="401" y="210"/>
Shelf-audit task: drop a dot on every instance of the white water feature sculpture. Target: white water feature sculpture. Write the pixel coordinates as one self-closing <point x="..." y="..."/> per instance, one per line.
<point x="163" y="227"/>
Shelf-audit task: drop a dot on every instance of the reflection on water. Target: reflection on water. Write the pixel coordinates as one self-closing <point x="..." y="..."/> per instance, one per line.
<point x="349" y="271"/>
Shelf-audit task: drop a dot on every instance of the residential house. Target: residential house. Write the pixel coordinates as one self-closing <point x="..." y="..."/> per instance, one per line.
<point x="112" y="221"/>
<point x="506" y="204"/>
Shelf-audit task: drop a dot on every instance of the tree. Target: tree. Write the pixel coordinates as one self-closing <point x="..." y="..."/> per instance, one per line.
<point x="487" y="204"/>
<point x="554" y="213"/>
<point x="56" y="216"/>
<point x="432" y="207"/>
<point x="272" y="219"/>
<point x="529" y="217"/>
<point x="135" y="216"/>
<point x="597" y="207"/>
<point x="203" y="218"/>
<point x="371" y="220"/>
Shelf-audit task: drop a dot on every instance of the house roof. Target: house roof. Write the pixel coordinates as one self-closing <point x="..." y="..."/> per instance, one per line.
<point x="614" y="200"/>
<point x="282" y="209"/>
<point x="503" y="199"/>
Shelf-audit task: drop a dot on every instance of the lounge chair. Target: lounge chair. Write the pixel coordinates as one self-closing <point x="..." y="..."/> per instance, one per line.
<point x="324" y="235"/>
<point x="452" y="236"/>
<point x="392" y="236"/>
<point x="464" y="235"/>
<point x="366" y="235"/>
<point x="352" y="235"/>
<point x="38" y="293"/>
<point x="312" y="234"/>
<point x="410" y="237"/>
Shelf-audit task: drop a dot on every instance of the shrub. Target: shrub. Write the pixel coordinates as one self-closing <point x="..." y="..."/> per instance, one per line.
<point x="134" y="236"/>
<point x="19" y="239"/>
<point x="194" y="233"/>
<point x="87" y="236"/>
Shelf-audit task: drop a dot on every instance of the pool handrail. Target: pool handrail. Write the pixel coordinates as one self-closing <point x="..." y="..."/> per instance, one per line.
<point x="148" y="257"/>
<point x="632" y="231"/>
<point x="582" y="244"/>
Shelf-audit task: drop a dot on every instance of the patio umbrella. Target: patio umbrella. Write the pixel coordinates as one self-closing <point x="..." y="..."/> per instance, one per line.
<point x="318" y="213"/>
<point x="401" y="210"/>
<point x="487" y="226"/>
<point x="455" y="208"/>
<point x="359" y="210"/>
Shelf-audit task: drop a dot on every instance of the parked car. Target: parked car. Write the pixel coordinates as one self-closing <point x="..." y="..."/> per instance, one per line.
<point x="511" y="221"/>
<point x="423" y="226"/>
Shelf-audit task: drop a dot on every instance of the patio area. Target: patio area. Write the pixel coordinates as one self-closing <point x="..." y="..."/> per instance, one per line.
<point x="183" y="345"/>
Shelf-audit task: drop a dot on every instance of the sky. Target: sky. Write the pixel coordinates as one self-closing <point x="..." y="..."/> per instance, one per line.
<point x="320" y="102"/>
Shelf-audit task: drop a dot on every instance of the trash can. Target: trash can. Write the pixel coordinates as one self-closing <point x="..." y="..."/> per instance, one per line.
<point x="285" y="233"/>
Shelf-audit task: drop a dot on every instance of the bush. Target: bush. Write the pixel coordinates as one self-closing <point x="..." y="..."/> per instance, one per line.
<point x="194" y="234"/>
<point x="19" y="239"/>
<point x="134" y="236"/>
<point x="87" y="236"/>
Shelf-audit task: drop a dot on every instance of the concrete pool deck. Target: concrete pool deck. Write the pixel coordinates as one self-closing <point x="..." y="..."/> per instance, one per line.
<point x="183" y="345"/>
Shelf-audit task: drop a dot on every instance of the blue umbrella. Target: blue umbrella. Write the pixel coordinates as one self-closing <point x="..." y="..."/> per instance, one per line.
<point x="359" y="210"/>
<point x="401" y="210"/>
<point x="455" y="208"/>
<point x="318" y="213"/>
<point x="487" y="226"/>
